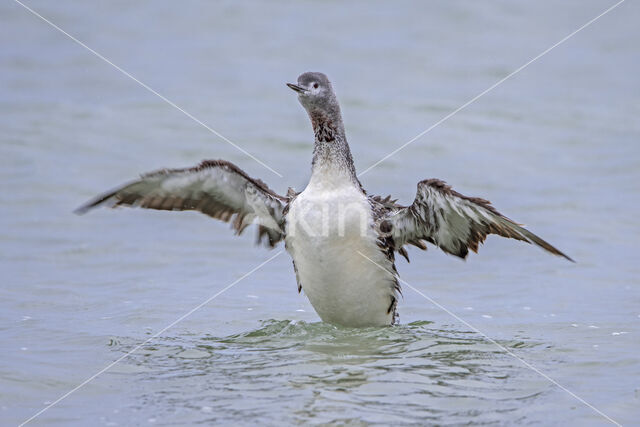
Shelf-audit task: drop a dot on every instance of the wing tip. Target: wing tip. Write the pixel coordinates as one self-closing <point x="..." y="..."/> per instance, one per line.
<point x="555" y="251"/>
<point x="81" y="210"/>
<point x="551" y="249"/>
<point x="95" y="202"/>
<point x="567" y="257"/>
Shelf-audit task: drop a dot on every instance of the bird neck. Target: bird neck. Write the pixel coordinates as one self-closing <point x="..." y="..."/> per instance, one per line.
<point x="332" y="158"/>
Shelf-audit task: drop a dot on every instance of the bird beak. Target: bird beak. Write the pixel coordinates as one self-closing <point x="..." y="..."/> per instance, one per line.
<point x="297" y="88"/>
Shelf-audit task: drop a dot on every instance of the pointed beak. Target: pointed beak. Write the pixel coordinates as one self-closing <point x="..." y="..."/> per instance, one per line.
<point x="296" y="88"/>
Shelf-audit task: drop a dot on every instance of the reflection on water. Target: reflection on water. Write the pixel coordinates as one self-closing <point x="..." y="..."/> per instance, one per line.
<point x="416" y="368"/>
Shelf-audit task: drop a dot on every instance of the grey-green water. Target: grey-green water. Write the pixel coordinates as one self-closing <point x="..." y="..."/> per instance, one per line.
<point x="555" y="147"/>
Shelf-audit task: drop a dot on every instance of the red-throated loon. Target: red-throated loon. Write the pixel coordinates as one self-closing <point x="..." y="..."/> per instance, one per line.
<point x="337" y="234"/>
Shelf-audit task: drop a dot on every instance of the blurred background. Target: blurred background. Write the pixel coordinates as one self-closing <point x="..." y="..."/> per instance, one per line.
<point x="555" y="147"/>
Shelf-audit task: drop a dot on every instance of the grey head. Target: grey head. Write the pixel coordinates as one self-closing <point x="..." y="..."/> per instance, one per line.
<point x="316" y="95"/>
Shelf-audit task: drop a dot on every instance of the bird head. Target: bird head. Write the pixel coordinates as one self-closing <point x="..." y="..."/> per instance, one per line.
<point x="315" y="92"/>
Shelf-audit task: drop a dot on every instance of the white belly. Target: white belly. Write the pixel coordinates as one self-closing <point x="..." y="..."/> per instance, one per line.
<point x="326" y="230"/>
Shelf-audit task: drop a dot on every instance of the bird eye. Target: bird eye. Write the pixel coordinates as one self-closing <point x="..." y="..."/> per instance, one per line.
<point x="315" y="85"/>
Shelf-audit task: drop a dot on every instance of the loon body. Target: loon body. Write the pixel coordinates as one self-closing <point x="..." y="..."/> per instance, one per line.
<point x="342" y="241"/>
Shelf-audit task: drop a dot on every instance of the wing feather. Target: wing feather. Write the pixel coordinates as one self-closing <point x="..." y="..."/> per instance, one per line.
<point x="454" y="222"/>
<point x="216" y="188"/>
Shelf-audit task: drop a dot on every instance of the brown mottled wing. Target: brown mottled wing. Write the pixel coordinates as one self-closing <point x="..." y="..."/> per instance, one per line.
<point x="455" y="223"/>
<point x="215" y="187"/>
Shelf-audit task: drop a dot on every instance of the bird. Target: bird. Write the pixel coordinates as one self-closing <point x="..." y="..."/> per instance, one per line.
<point x="342" y="240"/>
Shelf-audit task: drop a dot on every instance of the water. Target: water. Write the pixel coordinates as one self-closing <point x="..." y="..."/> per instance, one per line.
<point x="555" y="147"/>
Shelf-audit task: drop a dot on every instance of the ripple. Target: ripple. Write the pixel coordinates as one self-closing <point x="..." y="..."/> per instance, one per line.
<point x="428" y="372"/>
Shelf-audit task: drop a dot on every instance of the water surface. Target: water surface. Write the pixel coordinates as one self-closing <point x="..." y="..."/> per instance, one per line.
<point x="556" y="147"/>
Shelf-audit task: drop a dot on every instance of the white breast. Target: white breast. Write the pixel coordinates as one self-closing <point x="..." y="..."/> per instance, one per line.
<point x="327" y="225"/>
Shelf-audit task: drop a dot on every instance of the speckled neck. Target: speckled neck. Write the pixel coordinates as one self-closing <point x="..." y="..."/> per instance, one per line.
<point x="331" y="153"/>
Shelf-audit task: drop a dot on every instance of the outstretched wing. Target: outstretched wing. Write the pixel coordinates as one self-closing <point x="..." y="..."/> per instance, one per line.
<point x="215" y="187"/>
<point x="453" y="222"/>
